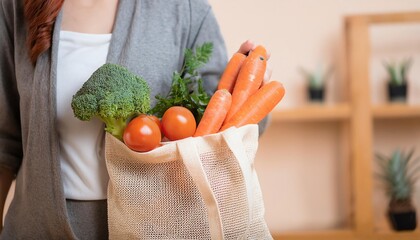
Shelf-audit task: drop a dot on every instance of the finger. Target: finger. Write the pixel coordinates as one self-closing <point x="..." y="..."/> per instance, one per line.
<point x="268" y="55"/>
<point x="267" y="74"/>
<point x="245" y="47"/>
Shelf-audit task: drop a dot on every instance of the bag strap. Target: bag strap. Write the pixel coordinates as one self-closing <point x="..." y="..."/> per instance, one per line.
<point x="192" y="162"/>
<point x="236" y="145"/>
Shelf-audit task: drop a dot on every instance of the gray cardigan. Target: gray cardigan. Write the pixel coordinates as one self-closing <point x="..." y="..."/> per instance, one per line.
<point x="149" y="38"/>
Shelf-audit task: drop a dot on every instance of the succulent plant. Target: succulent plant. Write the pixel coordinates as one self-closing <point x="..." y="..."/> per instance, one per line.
<point x="317" y="78"/>
<point x="397" y="71"/>
<point x="398" y="172"/>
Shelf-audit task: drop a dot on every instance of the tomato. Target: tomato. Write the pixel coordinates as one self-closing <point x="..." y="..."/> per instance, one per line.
<point x="178" y="123"/>
<point x="142" y="134"/>
<point x="156" y="120"/>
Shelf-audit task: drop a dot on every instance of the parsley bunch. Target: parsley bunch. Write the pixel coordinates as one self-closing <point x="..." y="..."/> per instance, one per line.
<point x="187" y="86"/>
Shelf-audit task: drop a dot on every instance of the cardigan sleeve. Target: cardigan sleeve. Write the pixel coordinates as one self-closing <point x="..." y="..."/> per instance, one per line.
<point x="10" y="131"/>
<point x="205" y="28"/>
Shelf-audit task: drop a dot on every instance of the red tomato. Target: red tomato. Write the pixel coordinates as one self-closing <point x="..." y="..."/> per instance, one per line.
<point x="142" y="134"/>
<point x="156" y="120"/>
<point x="178" y="123"/>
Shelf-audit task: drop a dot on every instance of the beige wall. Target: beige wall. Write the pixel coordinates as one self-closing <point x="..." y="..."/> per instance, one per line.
<point x="303" y="168"/>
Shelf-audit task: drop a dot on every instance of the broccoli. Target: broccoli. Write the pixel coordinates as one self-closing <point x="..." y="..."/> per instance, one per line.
<point x="114" y="95"/>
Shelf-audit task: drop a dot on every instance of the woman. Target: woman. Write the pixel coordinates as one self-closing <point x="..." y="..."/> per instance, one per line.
<point x="47" y="50"/>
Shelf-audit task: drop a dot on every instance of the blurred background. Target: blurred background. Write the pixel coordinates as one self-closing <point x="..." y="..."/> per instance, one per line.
<point x="316" y="161"/>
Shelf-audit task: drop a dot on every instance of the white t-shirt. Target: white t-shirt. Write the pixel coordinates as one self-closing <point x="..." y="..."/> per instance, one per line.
<point x="83" y="168"/>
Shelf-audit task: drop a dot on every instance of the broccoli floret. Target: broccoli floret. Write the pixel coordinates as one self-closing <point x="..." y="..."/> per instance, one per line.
<point x="114" y="95"/>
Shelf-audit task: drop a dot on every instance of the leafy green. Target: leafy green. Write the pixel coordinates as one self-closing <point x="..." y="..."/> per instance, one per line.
<point x="187" y="86"/>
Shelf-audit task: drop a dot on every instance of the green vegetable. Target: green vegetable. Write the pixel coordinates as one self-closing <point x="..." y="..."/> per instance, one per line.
<point x="114" y="95"/>
<point x="187" y="87"/>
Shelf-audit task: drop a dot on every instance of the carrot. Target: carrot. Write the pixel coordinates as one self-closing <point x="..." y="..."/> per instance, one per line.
<point x="249" y="79"/>
<point x="215" y="113"/>
<point x="228" y="79"/>
<point x="258" y="106"/>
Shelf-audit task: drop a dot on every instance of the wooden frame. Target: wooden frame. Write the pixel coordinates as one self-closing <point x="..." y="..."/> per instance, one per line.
<point x="358" y="117"/>
<point x="363" y="116"/>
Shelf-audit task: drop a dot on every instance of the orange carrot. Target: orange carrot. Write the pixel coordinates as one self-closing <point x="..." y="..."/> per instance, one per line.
<point x="249" y="79"/>
<point x="258" y="106"/>
<point x="228" y="79"/>
<point x="215" y="113"/>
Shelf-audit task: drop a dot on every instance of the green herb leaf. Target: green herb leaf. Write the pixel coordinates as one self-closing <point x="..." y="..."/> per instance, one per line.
<point x="187" y="87"/>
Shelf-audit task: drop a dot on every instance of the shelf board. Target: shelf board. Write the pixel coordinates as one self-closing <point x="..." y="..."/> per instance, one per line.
<point x="348" y="235"/>
<point x="403" y="235"/>
<point x="317" y="235"/>
<point x="313" y="112"/>
<point x="386" y="18"/>
<point x="396" y="110"/>
<point x="320" y="112"/>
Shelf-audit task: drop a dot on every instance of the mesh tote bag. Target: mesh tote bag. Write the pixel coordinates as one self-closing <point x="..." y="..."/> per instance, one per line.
<point x="194" y="188"/>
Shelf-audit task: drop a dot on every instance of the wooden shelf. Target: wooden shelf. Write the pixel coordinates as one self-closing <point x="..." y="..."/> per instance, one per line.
<point x="363" y="118"/>
<point x="359" y="117"/>
<point x="407" y="17"/>
<point x="406" y="235"/>
<point x="342" y="112"/>
<point x="396" y="110"/>
<point x="315" y="112"/>
<point x="316" y="235"/>
<point x="348" y="235"/>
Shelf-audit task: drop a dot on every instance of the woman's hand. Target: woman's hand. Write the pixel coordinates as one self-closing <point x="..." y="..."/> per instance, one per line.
<point x="248" y="46"/>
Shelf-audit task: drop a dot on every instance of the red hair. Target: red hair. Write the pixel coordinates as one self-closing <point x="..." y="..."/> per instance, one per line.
<point x="40" y="16"/>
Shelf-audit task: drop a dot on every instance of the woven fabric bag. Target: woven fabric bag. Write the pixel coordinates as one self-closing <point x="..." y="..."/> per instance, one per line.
<point x="194" y="188"/>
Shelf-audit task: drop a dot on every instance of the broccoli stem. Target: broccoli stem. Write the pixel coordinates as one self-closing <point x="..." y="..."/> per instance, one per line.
<point x="115" y="127"/>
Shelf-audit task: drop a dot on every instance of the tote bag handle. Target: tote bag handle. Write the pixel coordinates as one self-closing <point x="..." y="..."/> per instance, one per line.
<point x="192" y="162"/>
<point x="234" y="138"/>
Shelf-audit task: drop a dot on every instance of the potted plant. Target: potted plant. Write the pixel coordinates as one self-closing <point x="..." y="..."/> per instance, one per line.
<point x="398" y="173"/>
<point x="316" y="81"/>
<point x="397" y="79"/>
